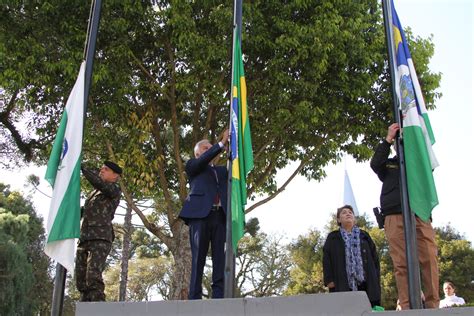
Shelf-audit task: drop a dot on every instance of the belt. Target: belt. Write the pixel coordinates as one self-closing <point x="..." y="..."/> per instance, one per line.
<point x="216" y="208"/>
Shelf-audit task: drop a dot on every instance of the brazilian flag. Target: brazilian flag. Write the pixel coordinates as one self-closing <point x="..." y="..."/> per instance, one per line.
<point x="241" y="142"/>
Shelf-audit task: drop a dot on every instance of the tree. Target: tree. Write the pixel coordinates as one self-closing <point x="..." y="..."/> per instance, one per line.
<point x="147" y="278"/>
<point x="25" y="282"/>
<point x="148" y="271"/>
<point x="307" y="257"/>
<point x="128" y="230"/>
<point x="16" y="275"/>
<point x="262" y="263"/>
<point x="315" y="69"/>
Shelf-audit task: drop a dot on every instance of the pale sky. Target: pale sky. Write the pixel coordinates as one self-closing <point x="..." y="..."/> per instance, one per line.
<point x="304" y="205"/>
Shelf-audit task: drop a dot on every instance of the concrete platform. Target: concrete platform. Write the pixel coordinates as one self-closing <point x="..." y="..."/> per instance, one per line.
<point x="334" y="304"/>
<point x="459" y="311"/>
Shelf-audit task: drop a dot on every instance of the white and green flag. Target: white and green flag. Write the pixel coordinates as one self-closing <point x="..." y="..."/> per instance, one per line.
<point x="63" y="173"/>
<point x="417" y="133"/>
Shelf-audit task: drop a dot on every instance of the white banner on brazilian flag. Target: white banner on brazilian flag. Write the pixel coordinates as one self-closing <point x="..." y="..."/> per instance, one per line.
<point x="417" y="133"/>
<point x="63" y="173"/>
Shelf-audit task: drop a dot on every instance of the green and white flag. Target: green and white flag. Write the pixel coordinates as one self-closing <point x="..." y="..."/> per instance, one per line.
<point x="63" y="173"/>
<point x="417" y="134"/>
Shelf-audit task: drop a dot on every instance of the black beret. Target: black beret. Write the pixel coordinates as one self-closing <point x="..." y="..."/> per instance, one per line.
<point x="112" y="165"/>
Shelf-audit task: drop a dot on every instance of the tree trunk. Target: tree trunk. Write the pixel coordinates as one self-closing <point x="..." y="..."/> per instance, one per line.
<point x="128" y="229"/>
<point x="182" y="267"/>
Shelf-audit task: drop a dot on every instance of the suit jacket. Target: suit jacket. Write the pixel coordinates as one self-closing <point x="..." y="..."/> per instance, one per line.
<point x="99" y="209"/>
<point x="204" y="185"/>
<point x="334" y="264"/>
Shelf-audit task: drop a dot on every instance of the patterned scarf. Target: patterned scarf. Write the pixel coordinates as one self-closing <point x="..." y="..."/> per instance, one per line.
<point x="354" y="266"/>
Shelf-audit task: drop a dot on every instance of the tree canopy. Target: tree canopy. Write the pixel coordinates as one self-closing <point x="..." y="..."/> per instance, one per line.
<point x="317" y="88"/>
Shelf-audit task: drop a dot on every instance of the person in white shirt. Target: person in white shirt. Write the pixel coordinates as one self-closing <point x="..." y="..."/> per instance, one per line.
<point x="450" y="298"/>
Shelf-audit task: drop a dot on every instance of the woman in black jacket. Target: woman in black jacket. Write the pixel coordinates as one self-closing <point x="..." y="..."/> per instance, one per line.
<point x="350" y="260"/>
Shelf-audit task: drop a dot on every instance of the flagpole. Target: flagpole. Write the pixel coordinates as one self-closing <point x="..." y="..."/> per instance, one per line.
<point x="93" y="29"/>
<point x="58" y="291"/>
<point x="229" y="265"/>
<point x="229" y="268"/>
<point x="409" y="222"/>
<point x="89" y="52"/>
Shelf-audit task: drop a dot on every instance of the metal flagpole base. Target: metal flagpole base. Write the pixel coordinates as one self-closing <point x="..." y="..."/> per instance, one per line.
<point x="58" y="291"/>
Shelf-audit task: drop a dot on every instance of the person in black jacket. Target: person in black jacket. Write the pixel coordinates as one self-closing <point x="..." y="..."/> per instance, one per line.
<point x="350" y="260"/>
<point x="387" y="169"/>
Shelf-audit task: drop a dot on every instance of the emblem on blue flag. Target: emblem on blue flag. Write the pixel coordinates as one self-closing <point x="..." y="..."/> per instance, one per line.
<point x="407" y="93"/>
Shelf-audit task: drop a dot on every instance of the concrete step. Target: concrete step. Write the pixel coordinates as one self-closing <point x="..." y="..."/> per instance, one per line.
<point x="331" y="304"/>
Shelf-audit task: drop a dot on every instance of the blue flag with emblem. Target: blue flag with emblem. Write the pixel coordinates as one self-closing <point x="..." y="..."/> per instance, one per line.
<point x="417" y="133"/>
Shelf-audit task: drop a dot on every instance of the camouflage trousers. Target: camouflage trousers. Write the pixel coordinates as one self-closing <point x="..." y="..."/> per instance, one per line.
<point x="91" y="258"/>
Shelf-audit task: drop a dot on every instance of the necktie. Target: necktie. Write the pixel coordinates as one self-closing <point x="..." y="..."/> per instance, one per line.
<point x="216" y="198"/>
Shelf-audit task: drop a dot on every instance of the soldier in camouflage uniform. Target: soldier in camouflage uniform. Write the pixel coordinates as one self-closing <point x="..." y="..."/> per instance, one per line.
<point x="97" y="232"/>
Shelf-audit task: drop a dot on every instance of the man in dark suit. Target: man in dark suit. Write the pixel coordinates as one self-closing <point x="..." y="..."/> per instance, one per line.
<point x="204" y="211"/>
